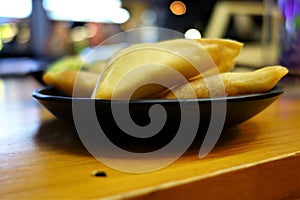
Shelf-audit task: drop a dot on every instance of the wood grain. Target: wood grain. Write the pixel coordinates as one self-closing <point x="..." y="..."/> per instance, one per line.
<point x="43" y="157"/>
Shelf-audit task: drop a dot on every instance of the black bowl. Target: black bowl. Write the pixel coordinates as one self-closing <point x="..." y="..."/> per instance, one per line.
<point x="238" y="108"/>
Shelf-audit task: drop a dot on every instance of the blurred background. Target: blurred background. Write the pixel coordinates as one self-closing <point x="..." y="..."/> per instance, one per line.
<point x="50" y="29"/>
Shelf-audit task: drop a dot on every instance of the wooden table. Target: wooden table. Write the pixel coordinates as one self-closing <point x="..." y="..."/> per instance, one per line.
<point x="43" y="157"/>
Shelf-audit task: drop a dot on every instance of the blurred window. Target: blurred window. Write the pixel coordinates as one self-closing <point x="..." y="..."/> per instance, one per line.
<point x="15" y="8"/>
<point x="86" y="10"/>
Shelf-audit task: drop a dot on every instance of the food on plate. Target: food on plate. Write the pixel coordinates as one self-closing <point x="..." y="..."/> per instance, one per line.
<point x="66" y="63"/>
<point x="234" y="83"/>
<point x="64" y="82"/>
<point x="145" y="64"/>
<point x="146" y="71"/>
<point x="76" y="63"/>
<point x="222" y="51"/>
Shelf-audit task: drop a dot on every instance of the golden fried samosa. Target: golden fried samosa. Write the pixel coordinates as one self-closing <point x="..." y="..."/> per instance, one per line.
<point x="65" y="82"/>
<point x="234" y="83"/>
<point x="222" y="51"/>
<point x="149" y="65"/>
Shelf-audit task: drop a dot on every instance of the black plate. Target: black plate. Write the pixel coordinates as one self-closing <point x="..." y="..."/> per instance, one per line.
<point x="238" y="108"/>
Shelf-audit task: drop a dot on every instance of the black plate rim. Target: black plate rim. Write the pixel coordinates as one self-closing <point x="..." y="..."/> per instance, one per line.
<point x="275" y="91"/>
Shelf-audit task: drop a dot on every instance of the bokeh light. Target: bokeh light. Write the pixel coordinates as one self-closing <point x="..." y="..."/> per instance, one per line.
<point x="192" y="34"/>
<point x="178" y="8"/>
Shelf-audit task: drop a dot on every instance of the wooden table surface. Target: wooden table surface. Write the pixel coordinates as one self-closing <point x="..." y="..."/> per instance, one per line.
<point x="43" y="157"/>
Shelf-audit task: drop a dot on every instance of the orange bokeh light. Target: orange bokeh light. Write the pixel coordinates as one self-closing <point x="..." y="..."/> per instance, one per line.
<point x="178" y="7"/>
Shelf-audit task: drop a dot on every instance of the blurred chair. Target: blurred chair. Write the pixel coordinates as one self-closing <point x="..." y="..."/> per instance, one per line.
<point x="252" y="54"/>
